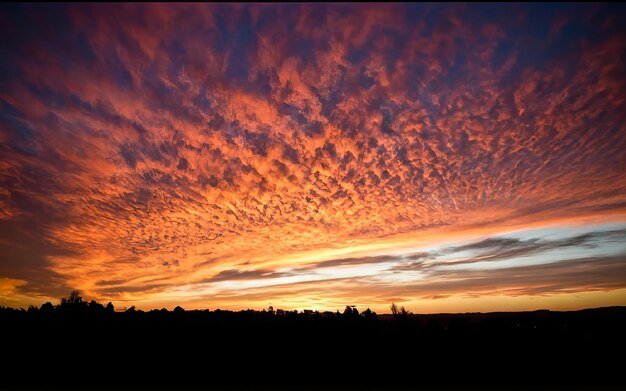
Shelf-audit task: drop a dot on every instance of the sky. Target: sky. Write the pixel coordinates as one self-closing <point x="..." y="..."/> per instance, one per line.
<point x="448" y="158"/>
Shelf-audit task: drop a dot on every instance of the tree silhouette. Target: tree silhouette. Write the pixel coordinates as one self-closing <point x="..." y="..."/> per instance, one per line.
<point x="350" y="312"/>
<point x="73" y="303"/>
<point x="369" y="314"/>
<point x="47" y="308"/>
<point x="74" y="299"/>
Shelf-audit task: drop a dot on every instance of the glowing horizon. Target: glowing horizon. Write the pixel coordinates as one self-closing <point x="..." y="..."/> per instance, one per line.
<point x="448" y="158"/>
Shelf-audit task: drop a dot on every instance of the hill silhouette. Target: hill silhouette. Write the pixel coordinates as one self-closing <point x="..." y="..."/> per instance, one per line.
<point x="79" y="343"/>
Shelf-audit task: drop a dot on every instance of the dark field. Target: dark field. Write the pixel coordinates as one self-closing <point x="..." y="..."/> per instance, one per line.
<point x="87" y="346"/>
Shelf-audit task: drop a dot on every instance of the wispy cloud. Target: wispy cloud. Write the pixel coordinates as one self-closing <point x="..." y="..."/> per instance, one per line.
<point x="427" y="275"/>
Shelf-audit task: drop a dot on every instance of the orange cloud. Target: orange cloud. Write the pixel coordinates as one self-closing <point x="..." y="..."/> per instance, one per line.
<point x="146" y="150"/>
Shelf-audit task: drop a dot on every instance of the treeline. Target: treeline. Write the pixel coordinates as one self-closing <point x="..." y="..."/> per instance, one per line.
<point x="589" y="322"/>
<point x="84" y="343"/>
<point x="75" y="307"/>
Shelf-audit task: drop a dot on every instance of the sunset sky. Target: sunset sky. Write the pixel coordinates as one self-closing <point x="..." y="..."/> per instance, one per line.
<point x="447" y="158"/>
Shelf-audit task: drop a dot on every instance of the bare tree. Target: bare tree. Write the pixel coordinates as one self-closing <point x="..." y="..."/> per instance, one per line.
<point x="74" y="299"/>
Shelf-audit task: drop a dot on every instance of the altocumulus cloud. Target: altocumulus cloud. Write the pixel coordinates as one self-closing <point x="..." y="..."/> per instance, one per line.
<point x="160" y="146"/>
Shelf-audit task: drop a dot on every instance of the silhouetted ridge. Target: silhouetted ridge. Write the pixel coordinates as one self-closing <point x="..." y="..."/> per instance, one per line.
<point x="272" y="347"/>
